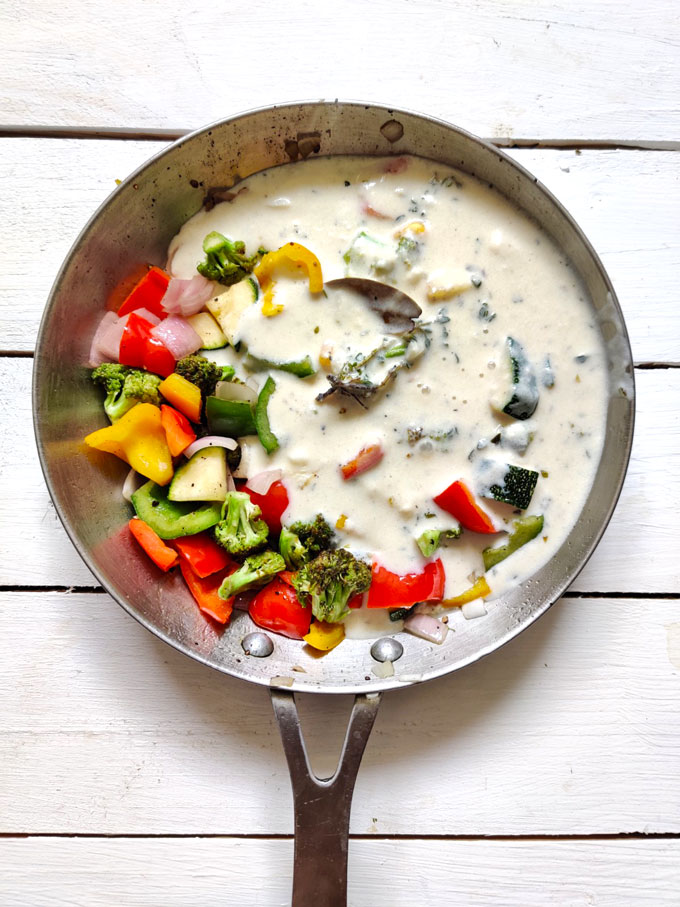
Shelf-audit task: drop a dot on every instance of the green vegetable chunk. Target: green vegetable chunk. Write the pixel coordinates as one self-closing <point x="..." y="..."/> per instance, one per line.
<point x="226" y="260"/>
<point x="125" y="387"/>
<point x="517" y="488"/>
<point x="431" y="539"/>
<point x="524" y="399"/>
<point x="203" y="373"/>
<point x="229" y="418"/>
<point x="254" y="572"/>
<point x="401" y="613"/>
<point x="303" y="368"/>
<point x="173" y="519"/>
<point x="329" y="581"/>
<point x="524" y="530"/>
<point x="241" y="530"/>
<point x="267" y="437"/>
<point x="302" y="542"/>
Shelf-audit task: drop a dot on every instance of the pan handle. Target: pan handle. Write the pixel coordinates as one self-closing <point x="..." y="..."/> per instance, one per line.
<point x="322" y="806"/>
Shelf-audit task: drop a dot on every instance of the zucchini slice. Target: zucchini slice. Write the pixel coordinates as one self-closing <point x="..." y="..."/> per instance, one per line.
<point x="520" y="399"/>
<point x="202" y="478"/>
<point x="511" y="485"/>
<point x="229" y="306"/>
<point x="211" y="334"/>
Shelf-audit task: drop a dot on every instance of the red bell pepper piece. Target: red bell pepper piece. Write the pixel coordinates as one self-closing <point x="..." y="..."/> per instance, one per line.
<point x="272" y="504"/>
<point x="178" y="432"/>
<point x="391" y="590"/>
<point x="133" y="343"/>
<point x="158" y="358"/>
<point x="459" y="501"/>
<point x="276" y="608"/>
<point x="367" y="458"/>
<point x="140" y="349"/>
<point x="147" y="294"/>
<point x="161" y="554"/>
<point x="203" y="554"/>
<point x="204" y="591"/>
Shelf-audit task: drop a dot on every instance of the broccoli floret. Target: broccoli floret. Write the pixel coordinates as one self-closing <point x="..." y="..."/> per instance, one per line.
<point x="428" y="542"/>
<point x="329" y="581"/>
<point x="203" y="373"/>
<point x="226" y="260"/>
<point x="254" y="572"/>
<point x="431" y="539"/>
<point x="241" y="530"/>
<point x="125" y="387"/>
<point x="302" y="542"/>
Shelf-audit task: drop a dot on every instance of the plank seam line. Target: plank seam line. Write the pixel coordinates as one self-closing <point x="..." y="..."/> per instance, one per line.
<point x="88" y="590"/>
<point x="168" y="134"/>
<point x="625" y="836"/>
<point x="576" y="593"/>
<point x="99" y="590"/>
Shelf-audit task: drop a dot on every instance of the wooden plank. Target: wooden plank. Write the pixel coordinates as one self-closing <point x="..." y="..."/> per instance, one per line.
<point x="637" y="553"/>
<point x="572" y="729"/>
<point x="97" y="872"/>
<point x="547" y="70"/>
<point x="626" y="201"/>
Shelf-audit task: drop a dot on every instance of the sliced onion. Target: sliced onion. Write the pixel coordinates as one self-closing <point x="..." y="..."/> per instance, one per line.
<point x="426" y="627"/>
<point x="473" y="609"/>
<point x="243" y="599"/>
<point x="383" y="669"/>
<point x="231" y="484"/>
<point x="210" y="441"/>
<point x="254" y="384"/>
<point x="110" y="340"/>
<point x="232" y="390"/>
<point x="186" y="297"/>
<point x="263" y="481"/>
<point x="178" y="336"/>
<point x="99" y="354"/>
<point x="148" y="316"/>
<point x="132" y="482"/>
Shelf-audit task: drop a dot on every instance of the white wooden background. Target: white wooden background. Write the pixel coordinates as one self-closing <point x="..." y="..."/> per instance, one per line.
<point x="548" y="774"/>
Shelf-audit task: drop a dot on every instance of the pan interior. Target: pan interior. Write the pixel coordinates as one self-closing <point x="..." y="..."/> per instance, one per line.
<point x="136" y="224"/>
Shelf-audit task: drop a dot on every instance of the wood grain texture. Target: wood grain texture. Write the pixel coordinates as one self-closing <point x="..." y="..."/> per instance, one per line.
<point x="626" y="202"/>
<point x="53" y="872"/>
<point x="636" y="554"/>
<point x="497" y="68"/>
<point x="572" y="729"/>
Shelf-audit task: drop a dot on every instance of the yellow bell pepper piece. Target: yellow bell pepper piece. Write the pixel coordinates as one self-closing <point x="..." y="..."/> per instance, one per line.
<point x="139" y="439"/>
<point x="479" y="590"/>
<point x="416" y="226"/>
<point x="323" y="636"/>
<point x="293" y="254"/>
<point x="183" y="395"/>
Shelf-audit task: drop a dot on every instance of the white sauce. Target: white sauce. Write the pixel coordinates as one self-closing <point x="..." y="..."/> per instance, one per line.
<point x="526" y="291"/>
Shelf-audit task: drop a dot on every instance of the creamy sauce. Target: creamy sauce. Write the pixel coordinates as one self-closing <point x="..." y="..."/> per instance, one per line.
<point x="482" y="272"/>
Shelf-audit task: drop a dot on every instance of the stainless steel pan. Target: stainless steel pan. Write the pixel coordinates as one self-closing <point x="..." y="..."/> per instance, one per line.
<point x="135" y="225"/>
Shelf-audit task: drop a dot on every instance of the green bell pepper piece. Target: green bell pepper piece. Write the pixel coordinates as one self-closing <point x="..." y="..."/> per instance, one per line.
<point x="303" y="368"/>
<point x="229" y="418"/>
<point x="267" y="437"/>
<point x="524" y="530"/>
<point x="173" y="519"/>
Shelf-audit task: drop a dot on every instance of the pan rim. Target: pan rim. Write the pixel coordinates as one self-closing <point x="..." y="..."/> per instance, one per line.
<point x="375" y="685"/>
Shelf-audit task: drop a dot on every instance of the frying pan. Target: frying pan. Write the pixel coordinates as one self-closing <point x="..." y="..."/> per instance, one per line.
<point x="135" y="225"/>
